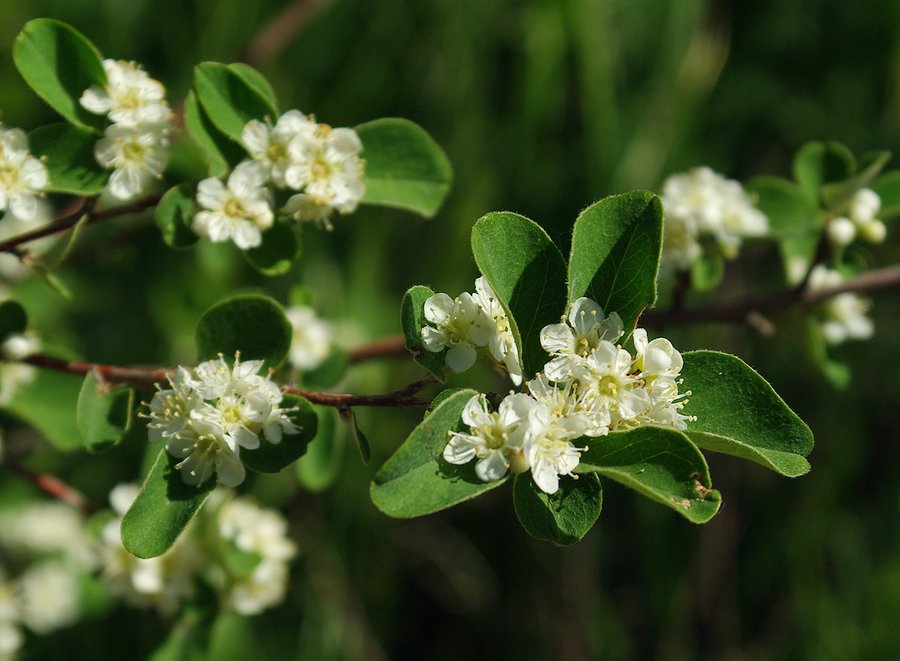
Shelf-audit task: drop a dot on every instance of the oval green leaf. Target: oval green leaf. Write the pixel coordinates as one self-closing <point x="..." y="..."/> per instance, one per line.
<point x="48" y="404"/>
<point x="257" y="81"/>
<point x="272" y="458"/>
<point x="59" y="64"/>
<point x="659" y="463"/>
<point x="416" y="480"/>
<point x="252" y="324"/>
<point x="837" y="196"/>
<point x="739" y="413"/>
<point x="819" y="163"/>
<point x="163" y="508"/>
<point x="104" y="414"/>
<point x="68" y="154"/>
<point x="527" y="273"/>
<point x="174" y="216"/>
<point x="228" y="99"/>
<point x="786" y="205"/>
<point x="405" y="168"/>
<point x="563" y="517"/>
<point x="222" y="153"/>
<point x="412" y="314"/>
<point x="279" y="248"/>
<point x="616" y="246"/>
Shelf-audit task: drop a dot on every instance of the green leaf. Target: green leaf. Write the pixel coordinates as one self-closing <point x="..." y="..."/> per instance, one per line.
<point x="13" y="319"/>
<point x="257" y="81"/>
<point x="659" y="463"/>
<point x="272" y="458"/>
<point x="59" y="64"/>
<point x="707" y="271"/>
<point x="739" y="413"/>
<point x="412" y="313"/>
<point x="887" y="186"/>
<point x="175" y="215"/>
<point x="330" y="371"/>
<point x="616" y="246"/>
<point x="348" y="417"/>
<point x="164" y="506"/>
<point x="527" y="273"/>
<point x="252" y="324"/>
<point x="228" y="99"/>
<point x="104" y="414"/>
<point x="416" y="480"/>
<point x="68" y="154"/>
<point x="405" y="168"/>
<point x="786" y="205"/>
<point x="797" y="254"/>
<point x="820" y="163"/>
<point x="562" y="518"/>
<point x="48" y="405"/>
<point x="838" y="196"/>
<point x="222" y="153"/>
<point x="318" y="468"/>
<point x="279" y="248"/>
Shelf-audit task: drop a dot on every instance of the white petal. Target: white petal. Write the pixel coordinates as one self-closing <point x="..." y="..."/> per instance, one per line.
<point x="460" y="358"/>
<point x="492" y="467"/>
<point x="246" y="235"/>
<point x="211" y="194"/>
<point x="230" y="470"/>
<point x="459" y="450"/>
<point x="439" y="309"/>
<point x="545" y="476"/>
<point x="557" y="338"/>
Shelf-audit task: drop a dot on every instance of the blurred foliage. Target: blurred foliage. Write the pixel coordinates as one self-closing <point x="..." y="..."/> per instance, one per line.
<point x="543" y="107"/>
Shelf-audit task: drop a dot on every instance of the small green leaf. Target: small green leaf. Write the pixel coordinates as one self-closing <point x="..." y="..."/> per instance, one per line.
<point x="887" y="186"/>
<point x="252" y="324"/>
<point x="527" y="273"/>
<point x="13" y="319"/>
<point x="820" y="163"/>
<point x="175" y="215"/>
<point x="562" y="518"/>
<point x="412" y="313"/>
<point x="318" y="468"/>
<point x="257" y="81"/>
<point x="330" y="371"/>
<point x="348" y="417"/>
<point x="837" y="196"/>
<point x="416" y="480"/>
<point x="48" y="404"/>
<point x="104" y="414"/>
<point x="68" y="154"/>
<point x="222" y="153"/>
<point x="279" y="248"/>
<point x="616" y="246"/>
<point x="228" y="99"/>
<point x="405" y="168"/>
<point x="707" y="271"/>
<point x="163" y="508"/>
<point x="786" y="205"/>
<point x="797" y="254"/>
<point x="659" y="463"/>
<point x="59" y="64"/>
<point x="739" y="413"/>
<point x="272" y="458"/>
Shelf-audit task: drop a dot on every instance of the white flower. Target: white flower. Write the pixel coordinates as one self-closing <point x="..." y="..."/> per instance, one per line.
<point x="306" y="207"/>
<point x="136" y="154"/>
<point x="495" y="439"/>
<point x="311" y="339"/>
<point x="843" y="317"/>
<point x="613" y="394"/>
<point x="329" y="168"/>
<point x="238" y="211"/>
<point x="22" y="176"/>
<point x="14" y="376"/>
<point x="130" y="97"/>
<point x="270" y="146"/>
<point x="44" y="528"/>
<point x="841" y="232"/>
<point x="570" y="343"/>
<point x="864" y="208"/>
<point x="49" y="595"/>
<point x="502" y="345"/>
<point x="656" y="359"/>
<point x="549" y="450"/>
<point x="11" y="637"/>
<point x="459" y="325"/>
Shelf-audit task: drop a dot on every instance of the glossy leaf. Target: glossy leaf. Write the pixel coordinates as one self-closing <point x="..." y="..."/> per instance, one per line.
<point x="739" y="413"/>
<point x="271" y="457"/>
<point x="104" y="414"/>
<point x="279" y="248"/>
<point x="222" y="153"/>
<point x="412" y="313"/>
<point x="174" y="216"/>
<point x="562" y="518"/>
<point x="416" y="480"/>
<point x="228" y="99"/>
<point x="527" y="273"/>
<point x="258" y="82"/>
<point x="68" y="155"/>
<point x="59" y="64"/>
<point x="616" y="246"/>
<point x="820" y="163"/>
<point x="405" y="168"/>
<point x="164" y="506"/>
<point x="660" y="463"/>
<point x="252" y="324"/>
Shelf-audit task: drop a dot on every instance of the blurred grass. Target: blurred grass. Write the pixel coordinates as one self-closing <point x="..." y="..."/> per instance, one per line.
<point x="543" y="108"/>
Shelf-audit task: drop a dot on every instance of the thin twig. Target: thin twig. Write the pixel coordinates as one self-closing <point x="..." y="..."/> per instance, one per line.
<point x="393" y="346"/>
<point x="272" y="38"/>
<point x="52" y="486"/>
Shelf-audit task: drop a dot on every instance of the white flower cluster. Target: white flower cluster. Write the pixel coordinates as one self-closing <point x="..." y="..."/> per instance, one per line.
<point x="320" y="163"/>
<point x="843" y="317"/>
<point x="136" y="144"/>
<point x="862" y="221"/>
<point x="22" y="176"/>
<point x="701" y="206"/>
<point x="311" y="338"/>
<point x="167" y="581"/>
<point x="468" y="322"/>
<point x="590" y="387"/>
<point x="209" y="413"/>
<point x="13" y="375"/>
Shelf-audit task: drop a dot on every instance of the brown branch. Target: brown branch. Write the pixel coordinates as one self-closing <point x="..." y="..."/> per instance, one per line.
<point x="270" y="40"/>
<point x="52" y="486"/>
<point x="398" y="398"/>
<point x="393" y="346"/>
<point x="745" y="311"/>
<point x="68" y="222"/>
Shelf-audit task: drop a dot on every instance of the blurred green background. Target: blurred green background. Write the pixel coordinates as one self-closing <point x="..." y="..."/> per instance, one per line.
<point x="543" y="107"/>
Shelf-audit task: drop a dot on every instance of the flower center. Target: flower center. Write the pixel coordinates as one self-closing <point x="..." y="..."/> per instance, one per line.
<point x="234" y="208"/>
